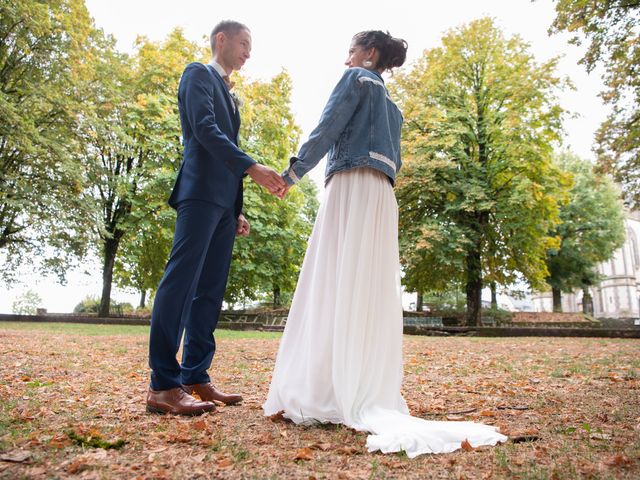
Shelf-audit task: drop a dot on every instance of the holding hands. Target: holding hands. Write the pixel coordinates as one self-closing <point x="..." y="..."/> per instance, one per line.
<point x="269" y="179"/>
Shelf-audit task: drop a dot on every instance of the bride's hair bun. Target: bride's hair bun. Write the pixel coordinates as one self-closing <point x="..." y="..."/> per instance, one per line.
<point x="393" y="51"/>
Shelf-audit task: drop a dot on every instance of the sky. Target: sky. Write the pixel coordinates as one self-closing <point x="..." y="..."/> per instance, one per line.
<point x="310" y="41"/>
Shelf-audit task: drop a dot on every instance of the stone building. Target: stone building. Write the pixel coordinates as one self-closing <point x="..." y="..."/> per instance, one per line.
<point x="618" y="294"/>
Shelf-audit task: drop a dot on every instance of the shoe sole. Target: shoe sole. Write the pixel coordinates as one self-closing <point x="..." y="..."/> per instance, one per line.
<point x="159" y="411"/>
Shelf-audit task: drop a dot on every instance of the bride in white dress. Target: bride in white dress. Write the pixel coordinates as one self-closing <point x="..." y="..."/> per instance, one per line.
<point x="340" y="358"/>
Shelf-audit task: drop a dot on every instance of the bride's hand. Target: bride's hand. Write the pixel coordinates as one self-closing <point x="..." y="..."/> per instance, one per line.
<point x="283" y="192"/>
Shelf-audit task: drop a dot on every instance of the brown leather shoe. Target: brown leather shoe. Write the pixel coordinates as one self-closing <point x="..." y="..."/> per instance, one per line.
<point x="177" y="402"/>
<point x="209" y="393"/>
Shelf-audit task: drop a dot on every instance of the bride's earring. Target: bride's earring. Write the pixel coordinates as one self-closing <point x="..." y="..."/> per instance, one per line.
<point x="367" y="64"/>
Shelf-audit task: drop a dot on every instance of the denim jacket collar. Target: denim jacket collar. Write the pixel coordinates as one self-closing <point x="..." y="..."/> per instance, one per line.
<point x="377" y="74"/>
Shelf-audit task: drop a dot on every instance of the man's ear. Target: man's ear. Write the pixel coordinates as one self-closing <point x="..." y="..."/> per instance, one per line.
<point x="220" y="38"/>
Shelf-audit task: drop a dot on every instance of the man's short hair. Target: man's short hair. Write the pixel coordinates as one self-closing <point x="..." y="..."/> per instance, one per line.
<point x="229" y="28"/>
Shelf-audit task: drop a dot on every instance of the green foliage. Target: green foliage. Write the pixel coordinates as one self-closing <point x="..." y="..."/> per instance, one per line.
<point x="95" y="441"/>
<point x="591" y="228"/>
<point x="144" y="252"/>
<point x="479" y="191"/>
<point x="91" y="304"/>
<point x="88" y="305"/>
<point x="266" y="263"/>
<point x="27" y="303"/>
<point x="612" y="28"/>
<point x="445" y="300"/>
<point x="42" y="65"/>
<point x="131" y="151"/>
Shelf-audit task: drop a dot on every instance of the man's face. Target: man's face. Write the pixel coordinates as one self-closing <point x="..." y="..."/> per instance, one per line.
<point x="236" y="49"/>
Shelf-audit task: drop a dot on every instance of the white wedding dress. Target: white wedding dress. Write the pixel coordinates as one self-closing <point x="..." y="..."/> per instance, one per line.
<point x="340" y="357"/>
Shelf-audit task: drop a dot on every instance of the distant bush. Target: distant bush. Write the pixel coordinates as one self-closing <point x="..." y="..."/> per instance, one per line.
<point x="27" y="303"/>
<point x="92" y="305"/>
<point x="88" y="305"/>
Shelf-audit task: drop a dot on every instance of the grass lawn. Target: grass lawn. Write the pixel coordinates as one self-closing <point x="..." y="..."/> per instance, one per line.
<point x="69" y="393"/>
<point x="92" y="330"/>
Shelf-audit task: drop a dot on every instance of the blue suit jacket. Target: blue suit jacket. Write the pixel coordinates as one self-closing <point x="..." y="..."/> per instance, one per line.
<point x="213" y="166"/>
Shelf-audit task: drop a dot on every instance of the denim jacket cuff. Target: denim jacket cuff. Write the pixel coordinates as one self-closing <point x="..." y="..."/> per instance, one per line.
<point x="290" y="176"/>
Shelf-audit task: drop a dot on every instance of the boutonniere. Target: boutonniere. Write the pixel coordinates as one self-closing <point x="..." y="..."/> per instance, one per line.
<point x="236" y="99"/>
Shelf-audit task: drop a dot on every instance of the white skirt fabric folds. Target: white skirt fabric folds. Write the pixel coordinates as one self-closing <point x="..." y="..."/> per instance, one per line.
<point x="340" y="357"/>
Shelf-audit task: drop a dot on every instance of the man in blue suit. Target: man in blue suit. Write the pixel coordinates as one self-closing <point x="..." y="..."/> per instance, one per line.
<point x="208" y="198"/>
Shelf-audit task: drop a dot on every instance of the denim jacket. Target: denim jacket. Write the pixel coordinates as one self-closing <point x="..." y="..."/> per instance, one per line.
<point x="359" y="127"/>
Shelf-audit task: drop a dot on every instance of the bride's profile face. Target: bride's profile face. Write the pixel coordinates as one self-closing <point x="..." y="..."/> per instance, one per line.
<point x="358" y="55"/>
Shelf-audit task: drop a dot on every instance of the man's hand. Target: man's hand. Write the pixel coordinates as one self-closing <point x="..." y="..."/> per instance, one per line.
<point x="268" y="178"/>
<point x="243" y="228"/>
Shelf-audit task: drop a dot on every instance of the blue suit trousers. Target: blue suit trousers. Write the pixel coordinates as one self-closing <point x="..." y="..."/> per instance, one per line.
<point x="189" y="297"/>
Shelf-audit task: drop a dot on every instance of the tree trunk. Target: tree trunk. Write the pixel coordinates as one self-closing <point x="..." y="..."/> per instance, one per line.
<point x="494" y="296"/>
<point x="276" y="297"/>
<point x="587" y="302"/>
<point x="557" y="299"/>
<point x="474" y="285"/>
<point x="419" y="302"/>
<point x="110" y="249"/>
<point x="143" y="299"/>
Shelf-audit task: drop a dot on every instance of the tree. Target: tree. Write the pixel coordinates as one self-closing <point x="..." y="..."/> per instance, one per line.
<point x="612" y="28"/>
<point x="268" y="261"/>
<point x="27" y="303"/>
<point x="479" y="191"/>
<point x="143" y="254"/>
<point x="591" y="229"/>
<point x="131" y="142"/>
<point x="42" y="51"/>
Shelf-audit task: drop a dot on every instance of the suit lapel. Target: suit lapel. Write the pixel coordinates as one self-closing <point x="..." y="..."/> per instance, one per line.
<point x="230" y="104"/>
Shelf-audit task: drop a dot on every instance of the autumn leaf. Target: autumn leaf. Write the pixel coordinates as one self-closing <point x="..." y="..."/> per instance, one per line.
<point x="349" y="450"/>
<point x="487" y="413"/>
<point x="321" y="446"/>
<point x="466" y="446"/>
<point x="455" y="418"/>
<point x="199" y="425"/>
<point x="264" y="439"/>
<point x="77" y="466"/>
<point x="199" y="458"/>
<point x="16" y="456"/>
<point x="618" y="461"/>
<point x="224" y="463"/>
<point x="304" y="453"/>
<point x="277" y="417"/>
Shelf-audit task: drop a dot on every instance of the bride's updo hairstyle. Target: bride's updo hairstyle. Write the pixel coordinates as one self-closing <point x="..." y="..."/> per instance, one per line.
<point x="393" y="51"/>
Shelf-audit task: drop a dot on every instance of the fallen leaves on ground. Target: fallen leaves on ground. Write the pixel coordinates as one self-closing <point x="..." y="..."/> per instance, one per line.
<point x="570" y="407"/>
